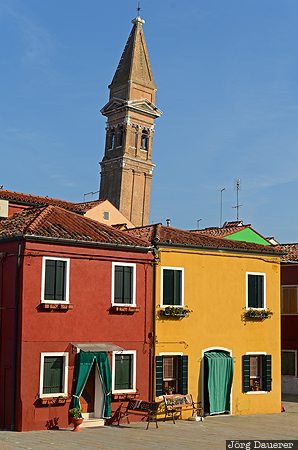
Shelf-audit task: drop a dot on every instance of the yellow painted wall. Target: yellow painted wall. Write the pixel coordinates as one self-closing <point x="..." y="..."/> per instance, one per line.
<point x="215" y="289"/>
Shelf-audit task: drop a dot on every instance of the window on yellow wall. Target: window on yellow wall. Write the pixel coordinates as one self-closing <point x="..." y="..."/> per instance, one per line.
<point x="289" y="300"/>
<point x="256" y="291"/>
<point x="170" y="374"/>
<point x="257" y="372"/>
<point x="172" y="286"/>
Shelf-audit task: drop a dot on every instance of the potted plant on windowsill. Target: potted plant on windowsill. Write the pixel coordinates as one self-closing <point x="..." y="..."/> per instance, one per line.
<point x="169" y="390"/>
<point x="76" y="418"/>
<point x="256" y="386"/>
<point x="260" y="314"/>
<point x="175" y="311"/>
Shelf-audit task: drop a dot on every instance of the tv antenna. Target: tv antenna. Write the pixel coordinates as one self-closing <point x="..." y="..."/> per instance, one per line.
<point x="90" y="193"/>
<point x="220" y="214"/>
<point x="237" y="206"/>
<point x="198" y="223"/>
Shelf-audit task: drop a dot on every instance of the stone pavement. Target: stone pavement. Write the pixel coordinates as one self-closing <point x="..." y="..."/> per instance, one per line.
<point x="208" y="435"/>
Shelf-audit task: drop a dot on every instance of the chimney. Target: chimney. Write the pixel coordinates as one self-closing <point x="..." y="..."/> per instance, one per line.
<point x="168" y="222"/>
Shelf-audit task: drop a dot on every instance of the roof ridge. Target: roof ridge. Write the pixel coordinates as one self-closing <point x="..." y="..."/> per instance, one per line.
<point x="8" y="191"/>
<point x="44" y="211"/>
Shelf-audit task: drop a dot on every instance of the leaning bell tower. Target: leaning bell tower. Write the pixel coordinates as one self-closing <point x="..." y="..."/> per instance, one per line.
<point x="126" y="168"/>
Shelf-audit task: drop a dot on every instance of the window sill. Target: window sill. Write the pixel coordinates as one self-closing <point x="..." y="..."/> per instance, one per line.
<point x="53" y="401"/>
<point x="55" y="306"/>
<point x="124" y="309"/>
<point x="164" y="314"/>
<point x="125" y="396"/>
<point x="256" y="392"/>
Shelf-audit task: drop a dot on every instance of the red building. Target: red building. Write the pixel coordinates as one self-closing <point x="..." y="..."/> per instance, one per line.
<point x="289" y="318"/>
<point x="75" y="318"/>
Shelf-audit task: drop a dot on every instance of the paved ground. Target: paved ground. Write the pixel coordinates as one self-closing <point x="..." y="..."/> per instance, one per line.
<point x="208" y="435"/>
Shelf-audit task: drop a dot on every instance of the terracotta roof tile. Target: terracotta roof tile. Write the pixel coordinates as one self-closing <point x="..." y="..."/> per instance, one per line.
<point x="290" y="250"/>
<point x="228" y="229"/>
<point x="37" y="200"/>
<point x="220" y="232"/>
<point x="166" y="235"/>
<point x="58" y="223"/>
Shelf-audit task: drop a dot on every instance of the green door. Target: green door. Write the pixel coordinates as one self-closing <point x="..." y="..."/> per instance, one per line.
<point x="218" y="376"/>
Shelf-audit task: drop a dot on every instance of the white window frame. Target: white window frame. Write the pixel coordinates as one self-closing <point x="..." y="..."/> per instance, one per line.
<point x="295" y="356"/>
<point x="64" y="379"/>
<point x="256" y="354"/>
<point x="134" y="283"/>
<point x="264" y="276"/>
<point x="43" y="280"/>
<point x="182" y="286"/>
<point x="281" y="299"/>
<point x="134" y="371"/>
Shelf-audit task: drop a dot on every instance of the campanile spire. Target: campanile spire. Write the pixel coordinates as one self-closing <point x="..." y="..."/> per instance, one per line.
<point x="126" y="168"/>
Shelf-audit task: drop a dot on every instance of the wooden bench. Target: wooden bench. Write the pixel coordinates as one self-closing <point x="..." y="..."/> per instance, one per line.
<point x="177" y="403"/>
<point x="141" y="408"/>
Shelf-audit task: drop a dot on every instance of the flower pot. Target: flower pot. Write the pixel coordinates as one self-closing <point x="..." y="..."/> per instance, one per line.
<point x="76" y="421"/>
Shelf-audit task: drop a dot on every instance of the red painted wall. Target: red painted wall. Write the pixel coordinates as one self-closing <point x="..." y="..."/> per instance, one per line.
<point x="90" y="320"/>
<point x="15" y="208"/>
<point x="8" y="337"/>
<point x="289" y="323"/>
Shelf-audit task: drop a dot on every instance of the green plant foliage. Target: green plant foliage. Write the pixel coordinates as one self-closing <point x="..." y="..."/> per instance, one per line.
<point x="175" y="311"/>
<point x="252" y="313"/>
<point x="75" y="412"/>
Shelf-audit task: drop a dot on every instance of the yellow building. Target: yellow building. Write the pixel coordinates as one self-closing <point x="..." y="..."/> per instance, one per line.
<point x="215" y="335"/>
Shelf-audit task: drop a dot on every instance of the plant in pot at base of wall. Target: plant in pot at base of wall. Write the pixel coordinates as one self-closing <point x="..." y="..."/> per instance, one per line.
<point x="76" y="418"/>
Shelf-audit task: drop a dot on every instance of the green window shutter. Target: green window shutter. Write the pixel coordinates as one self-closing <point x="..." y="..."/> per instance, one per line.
<point x="118" y="284"/>
<point x="158" y="375"/>
<point x="55" y="280"/>
<point x="255" y="291"/>
<point x="127" y="288"/>
<point x="123" y="371"/>
<point x="172" y="287"/>
<point x="60" y="280"/>
<point x="49" y="290"/>
<point x="123" y="284"/>
<point x="246" y="372"/>
<point x="53" y="375"/>
<point x="266" y="373"/>
<point x="183" y="374"/>
<point x="177" y="287"/>
<point x="168" y="285"/>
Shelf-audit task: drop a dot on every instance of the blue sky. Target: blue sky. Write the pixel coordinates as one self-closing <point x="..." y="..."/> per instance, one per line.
<point x="227" y="77"/>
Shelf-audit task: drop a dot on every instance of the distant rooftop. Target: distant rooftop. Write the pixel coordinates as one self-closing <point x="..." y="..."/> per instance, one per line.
<point x="290" y="250"/>
<point x="163" y="235"/>
<point x="37" y="200"/>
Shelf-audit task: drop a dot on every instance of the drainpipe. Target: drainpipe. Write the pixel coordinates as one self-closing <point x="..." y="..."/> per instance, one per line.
<point x="2" y="257"/>
<point x="15" y="336"/>
<point x="153" y="336"/>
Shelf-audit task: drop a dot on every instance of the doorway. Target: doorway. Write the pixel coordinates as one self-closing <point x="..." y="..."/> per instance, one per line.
<point x="92" y="397"/>
<point x="218" y="370"/>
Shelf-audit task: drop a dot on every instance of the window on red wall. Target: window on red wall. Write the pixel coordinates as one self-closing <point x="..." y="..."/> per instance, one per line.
<point x="289" y="300"/>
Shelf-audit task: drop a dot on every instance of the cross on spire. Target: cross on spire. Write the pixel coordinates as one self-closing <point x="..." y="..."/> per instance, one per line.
<point x="138" y="9"/>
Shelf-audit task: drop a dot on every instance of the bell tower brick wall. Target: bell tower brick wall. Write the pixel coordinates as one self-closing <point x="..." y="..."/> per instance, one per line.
<point x="126" y="168"/>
